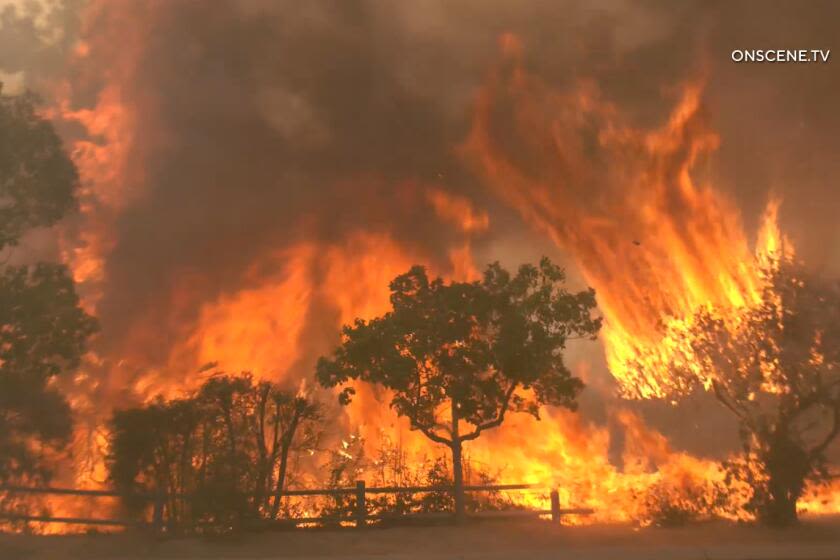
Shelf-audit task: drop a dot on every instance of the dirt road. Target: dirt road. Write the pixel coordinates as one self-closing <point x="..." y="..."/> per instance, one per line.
<point x="490" y="540"/>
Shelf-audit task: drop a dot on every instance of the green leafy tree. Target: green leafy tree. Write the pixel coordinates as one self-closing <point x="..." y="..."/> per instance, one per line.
<point x="43" y="329"/>
<point x="458" y="357"/>
<point x="775" y="366"/>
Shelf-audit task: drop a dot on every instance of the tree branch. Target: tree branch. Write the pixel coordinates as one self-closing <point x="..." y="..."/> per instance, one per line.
<point x="835" y="430"/>
<point x="724" y="398"/>
<point x="496" y="421"/>
<point x="428" y="431"/>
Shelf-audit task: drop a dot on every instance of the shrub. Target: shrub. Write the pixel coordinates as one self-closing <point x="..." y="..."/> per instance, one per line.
<point x="220" y="455"/>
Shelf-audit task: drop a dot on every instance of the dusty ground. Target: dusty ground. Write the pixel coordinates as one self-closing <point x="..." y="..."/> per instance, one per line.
<point x="818" y="539"/>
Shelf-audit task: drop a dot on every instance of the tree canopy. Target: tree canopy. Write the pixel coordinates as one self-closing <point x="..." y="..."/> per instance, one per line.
<point x="38" y="181"/>
<point x="43" y="329"/>
<point x="459" y="356"/>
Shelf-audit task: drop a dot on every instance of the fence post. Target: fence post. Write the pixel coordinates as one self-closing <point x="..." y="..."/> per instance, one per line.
<point x="361" y="506"/>
<point x="157" y="516"/>
<point x="555" y="505"/>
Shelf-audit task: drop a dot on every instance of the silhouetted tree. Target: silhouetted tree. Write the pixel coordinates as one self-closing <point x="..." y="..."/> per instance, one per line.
<point x="43" y="330"/>
<point x="224" y="450"/>
<point x="37" y="180"/>
<point x="775" y="366"/>
<point x="459" y="356"/>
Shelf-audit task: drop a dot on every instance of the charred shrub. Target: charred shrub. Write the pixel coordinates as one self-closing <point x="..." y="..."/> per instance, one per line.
<point x="669" y="505"/>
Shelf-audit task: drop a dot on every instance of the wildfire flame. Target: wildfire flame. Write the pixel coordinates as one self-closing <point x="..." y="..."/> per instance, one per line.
<point x="654" y="240"/>
<point x="626" y="204"/>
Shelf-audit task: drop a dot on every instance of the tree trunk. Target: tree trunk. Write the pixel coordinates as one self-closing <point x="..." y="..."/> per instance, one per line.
<point x="457" y="468"/>
<point x="788" y="466"/>
<point x="781" y="511"/>
<point x="260" y="489"/>
<point x="458" y="480"/>
<point x="287" y="440"/>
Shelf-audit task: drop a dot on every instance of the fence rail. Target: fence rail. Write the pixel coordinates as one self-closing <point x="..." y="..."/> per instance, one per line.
<point x="360" y="514"/>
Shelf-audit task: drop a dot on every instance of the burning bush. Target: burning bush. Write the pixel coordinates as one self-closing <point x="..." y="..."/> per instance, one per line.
<point x="221" y="456"/>
<point x="775" y="365"/>
<point x="392" y="467"/>
<point x="667" y="504"/>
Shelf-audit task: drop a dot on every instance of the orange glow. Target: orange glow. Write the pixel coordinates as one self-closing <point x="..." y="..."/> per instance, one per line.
<point x="654" y="242"/>
<point x="458" y="210"/>
<point x="628" y="205"/>
<point x="647" y="229"/>
<point x="109" y="180"/>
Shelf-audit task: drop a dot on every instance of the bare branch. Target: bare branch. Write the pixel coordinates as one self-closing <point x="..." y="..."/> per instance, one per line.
<point x="727" y="401"/>
<point x="835" y="431"/>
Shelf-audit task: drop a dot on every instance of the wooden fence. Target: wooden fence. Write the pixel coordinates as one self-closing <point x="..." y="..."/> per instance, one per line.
<point x="360" y="514"/>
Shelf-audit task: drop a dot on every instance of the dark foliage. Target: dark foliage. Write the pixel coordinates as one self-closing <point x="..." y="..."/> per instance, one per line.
<point x="221" y="456"/>
<point x="37" y="179"/>
<point x="43" y="329"/>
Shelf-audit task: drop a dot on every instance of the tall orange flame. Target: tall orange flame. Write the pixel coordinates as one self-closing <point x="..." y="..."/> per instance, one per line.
<point x="626" y="203"/>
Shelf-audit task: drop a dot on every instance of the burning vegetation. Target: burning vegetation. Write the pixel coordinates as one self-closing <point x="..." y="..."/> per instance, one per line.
<point x="237" y="214"/>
